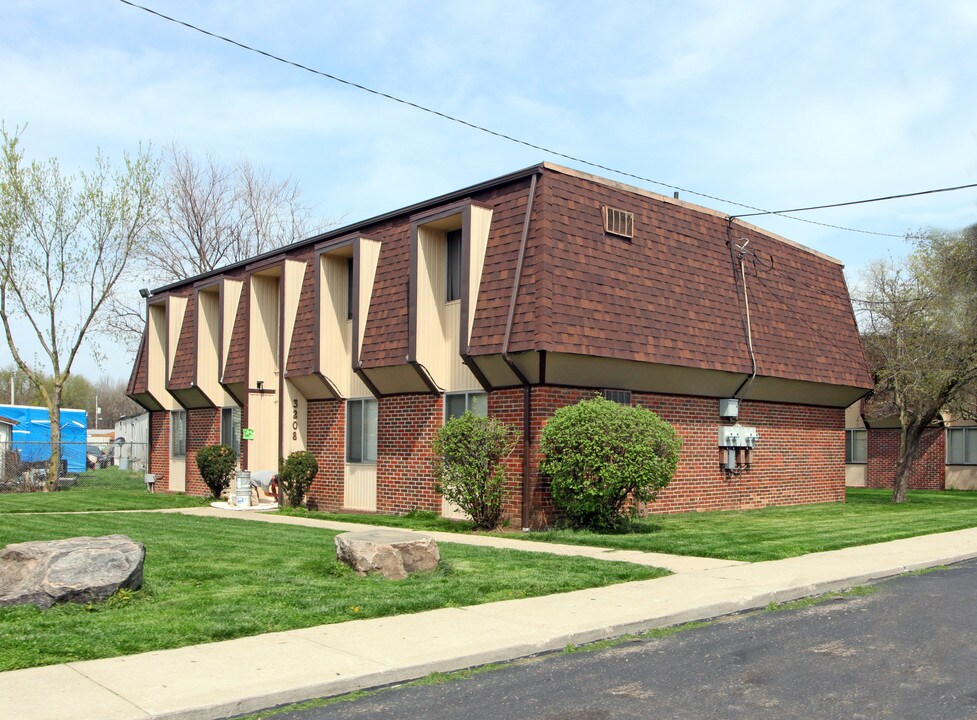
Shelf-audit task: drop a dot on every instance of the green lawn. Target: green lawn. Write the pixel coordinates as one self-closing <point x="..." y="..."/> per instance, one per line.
<point x="752" y="535"/>
<point x="209" y="579"/>
<point x="772" y="533"/>
<point x="106" y="489"/>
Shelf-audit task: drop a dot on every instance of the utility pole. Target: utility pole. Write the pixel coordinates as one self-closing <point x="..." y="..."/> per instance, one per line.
<point x="96" y="412"/>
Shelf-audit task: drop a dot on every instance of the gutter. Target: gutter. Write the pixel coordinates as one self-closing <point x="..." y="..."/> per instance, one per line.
<point x="527" y="393"/>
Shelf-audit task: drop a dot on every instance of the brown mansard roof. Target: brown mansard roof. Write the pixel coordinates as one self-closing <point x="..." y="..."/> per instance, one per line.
<point x="670" y="295"/>
<point x="184" y="371"/>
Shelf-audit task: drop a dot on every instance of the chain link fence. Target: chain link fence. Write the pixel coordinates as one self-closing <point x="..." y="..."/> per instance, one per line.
<point x="24" y="466"/>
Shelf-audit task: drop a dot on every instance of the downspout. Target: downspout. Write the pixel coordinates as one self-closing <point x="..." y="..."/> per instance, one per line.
<point x="526" y="388"/>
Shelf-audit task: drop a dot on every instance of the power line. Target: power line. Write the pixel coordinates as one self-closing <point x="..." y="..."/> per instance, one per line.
<point x="857" y="202"/>
<point x="495" y="133"/>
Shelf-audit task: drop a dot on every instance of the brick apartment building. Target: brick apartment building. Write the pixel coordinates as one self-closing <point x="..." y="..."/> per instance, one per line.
<point x="947" y="458"/>
<point x="513" y="298"/>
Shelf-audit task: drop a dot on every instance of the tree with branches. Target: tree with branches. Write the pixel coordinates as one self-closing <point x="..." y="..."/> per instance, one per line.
<point x="921" y="337"/>
<point x="213" y="214"/>
<point x="65" y="243"/>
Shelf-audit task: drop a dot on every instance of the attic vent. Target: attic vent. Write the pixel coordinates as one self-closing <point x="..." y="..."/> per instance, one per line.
<point x="618" y="222"/>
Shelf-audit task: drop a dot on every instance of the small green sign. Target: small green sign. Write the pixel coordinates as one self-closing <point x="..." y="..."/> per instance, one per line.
<point x="247" y="434"/>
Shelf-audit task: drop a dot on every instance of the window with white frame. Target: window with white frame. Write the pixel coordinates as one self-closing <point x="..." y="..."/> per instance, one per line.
<point x="361" y="430"/>
<point x="961" y="446"/>
<point x="178" y="433"/>
<point x="455" y="404"/>
<point x="231" y="428"/>
<point x="856" y="446"/>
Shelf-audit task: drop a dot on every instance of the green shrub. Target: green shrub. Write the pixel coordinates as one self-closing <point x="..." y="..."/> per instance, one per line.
<point x="216" y="464"/>
<point x="295" y="475"/>
<point x="468" y="469"/>
<point x="603" y="459"/>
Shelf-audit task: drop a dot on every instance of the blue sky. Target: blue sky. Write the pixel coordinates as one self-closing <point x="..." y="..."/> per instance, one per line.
<point x="773" y="104"/>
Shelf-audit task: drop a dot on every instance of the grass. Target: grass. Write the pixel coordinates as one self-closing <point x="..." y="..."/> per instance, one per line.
<point x="751" y="535"/>
<point x="773" y="533"/>
<point x="209" y="579"/>
<point x="414" y="520"/>
<point x="106" y="489"/>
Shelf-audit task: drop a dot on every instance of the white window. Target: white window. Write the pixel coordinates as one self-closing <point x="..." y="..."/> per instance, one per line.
<point x="178" y="433"/>
<point x="361" y="431"/>
<point x="231" y="428"/>
<point x="455" y="404"/>
<point x="961" y="446"/>
<point x="452" y="280"/>
<point x="856" y="446"/>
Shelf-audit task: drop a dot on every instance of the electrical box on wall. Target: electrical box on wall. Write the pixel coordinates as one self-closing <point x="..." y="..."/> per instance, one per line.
<point x="729" y="407"/>
<point x="738" y="436"/>
<point x="736" y="443"/>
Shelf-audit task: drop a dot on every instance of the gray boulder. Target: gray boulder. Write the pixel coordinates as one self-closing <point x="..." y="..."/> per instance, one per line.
<point x="392" y="553"/>
<point x="81" y="570"/>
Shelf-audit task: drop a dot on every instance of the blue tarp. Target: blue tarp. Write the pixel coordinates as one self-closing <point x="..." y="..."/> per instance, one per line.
<point x="32" y="434"/>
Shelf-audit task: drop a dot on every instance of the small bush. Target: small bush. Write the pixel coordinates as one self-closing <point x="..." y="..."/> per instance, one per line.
<point x="295" y="475"/>
<point x="603" y="459"/>
<point x="216" y="464"/>
<point x="468" y="468"/>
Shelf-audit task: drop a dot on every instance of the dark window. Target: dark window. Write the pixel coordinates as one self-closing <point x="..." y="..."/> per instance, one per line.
<point x="453" y="265"/>
<point x="349" y="289"/>
<point x="455" y="404"/>
<point x="961" y="446"/>
<point x="622" y="397"/>
<point x="856" y="447"/>
<point x="178" y="431"/>
<point x="361" y="431"/>
<point x="231" y="428"/>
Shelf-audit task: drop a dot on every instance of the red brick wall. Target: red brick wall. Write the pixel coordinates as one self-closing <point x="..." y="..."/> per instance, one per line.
<point x="159" y="448"/>
<point x="796" y="461"/>
<point x="327" y="433"/>
<point x="406" y="428"/>
<point x="928" y="472"/>
<point x="203" y="429"/>
<point x="799" y="458"/>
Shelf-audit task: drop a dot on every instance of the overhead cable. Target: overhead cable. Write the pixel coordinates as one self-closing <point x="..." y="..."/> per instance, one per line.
<point x="501" y="135"/>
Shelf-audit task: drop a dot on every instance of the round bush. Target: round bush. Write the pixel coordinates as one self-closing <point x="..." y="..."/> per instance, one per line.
<point x="468" y="469"/>
<point x="296" y="474"/>
<point x="216" y="464"/>
<point x="604" y="459"/>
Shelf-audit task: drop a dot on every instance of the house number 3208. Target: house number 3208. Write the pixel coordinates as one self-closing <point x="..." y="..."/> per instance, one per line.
<point x="295" y="419"/>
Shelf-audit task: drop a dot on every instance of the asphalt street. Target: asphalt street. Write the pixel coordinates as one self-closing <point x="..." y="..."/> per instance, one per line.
<point x="907" y="650"/>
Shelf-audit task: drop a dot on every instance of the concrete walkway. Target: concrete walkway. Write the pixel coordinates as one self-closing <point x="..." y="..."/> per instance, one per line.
<point x="238" y="676"/>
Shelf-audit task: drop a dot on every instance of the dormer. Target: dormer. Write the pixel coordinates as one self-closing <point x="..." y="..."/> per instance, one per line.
<point x="447" y="255"/>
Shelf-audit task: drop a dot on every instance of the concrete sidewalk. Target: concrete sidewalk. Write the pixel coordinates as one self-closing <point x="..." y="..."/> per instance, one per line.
<point x="238" y="676"/>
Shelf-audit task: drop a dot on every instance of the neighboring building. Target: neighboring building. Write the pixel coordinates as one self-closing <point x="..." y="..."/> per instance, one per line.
<point x="6" y="446"/>
<point x="132" y="442"/>
<point x="513" y="298"/>
<point x="32" y="435"/>
<point x="947" y="458"/>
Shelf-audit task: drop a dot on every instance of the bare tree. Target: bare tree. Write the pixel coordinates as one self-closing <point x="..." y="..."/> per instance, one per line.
<point x="64" y="245"/>
<point x="213" y="215"/>
<point x="921" y="336"/>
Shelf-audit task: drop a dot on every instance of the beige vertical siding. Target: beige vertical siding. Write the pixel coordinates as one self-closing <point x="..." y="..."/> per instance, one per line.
<point x="432" y="341"/>
<point x="334" y="345"/>
<point x="176" y="308"/>
<point x="178" y="474"/>
<point x="354" y="387"/>
<point x="230" y="297"/>
<point x="855" y="475"/>
<point x="263" y="407"/>
<point x="208" y="338"/>
<point x="459" y="376"/>
<point x="294" y="420"/>
<point x="961" y="477"/>
<point x="369" y="256"/>
<point x="360" y="487"/>
<point x="158" y="352"/>
<point x="481" y="221"/>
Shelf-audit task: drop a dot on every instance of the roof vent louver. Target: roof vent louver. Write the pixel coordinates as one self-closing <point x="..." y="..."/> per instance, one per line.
<point x="618" y="222"/>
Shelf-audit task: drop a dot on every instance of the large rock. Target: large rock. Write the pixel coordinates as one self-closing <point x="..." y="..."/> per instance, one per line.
<point x="392" y="553"/>
<point x="81" y="569"/>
